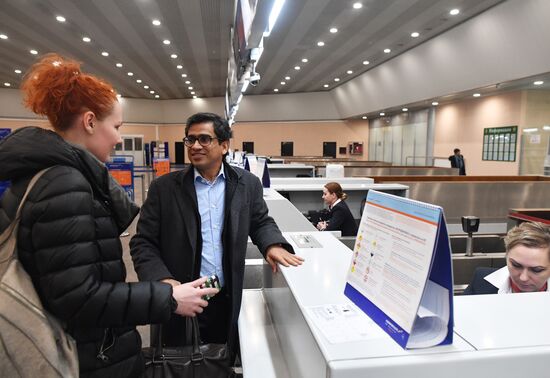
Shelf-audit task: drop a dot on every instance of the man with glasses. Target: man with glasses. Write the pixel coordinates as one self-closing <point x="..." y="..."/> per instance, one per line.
<point x="196" y="222"/>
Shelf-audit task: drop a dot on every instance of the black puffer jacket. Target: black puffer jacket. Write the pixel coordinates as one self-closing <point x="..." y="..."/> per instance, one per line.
<point x="69" y="243"/>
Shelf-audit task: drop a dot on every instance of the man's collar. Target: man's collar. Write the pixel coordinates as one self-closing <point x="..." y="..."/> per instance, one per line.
<point x="196" y="174"/>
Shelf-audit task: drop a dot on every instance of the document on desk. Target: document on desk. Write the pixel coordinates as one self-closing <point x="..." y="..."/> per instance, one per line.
<point x="341" y="323"/>
<point x="401" y="272"/>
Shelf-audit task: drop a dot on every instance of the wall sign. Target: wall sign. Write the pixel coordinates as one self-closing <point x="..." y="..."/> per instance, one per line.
<point x="499" y="143"/>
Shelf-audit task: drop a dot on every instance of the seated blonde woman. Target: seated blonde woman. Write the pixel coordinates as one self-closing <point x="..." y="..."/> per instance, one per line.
<point x="527" y="263"/>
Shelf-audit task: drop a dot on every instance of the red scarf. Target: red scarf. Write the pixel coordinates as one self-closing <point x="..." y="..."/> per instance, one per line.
<point x="516" y="289"/>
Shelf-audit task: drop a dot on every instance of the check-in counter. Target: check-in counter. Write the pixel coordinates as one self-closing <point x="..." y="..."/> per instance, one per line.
<point x="291" y="170"/>
<point x="279" y="338"/>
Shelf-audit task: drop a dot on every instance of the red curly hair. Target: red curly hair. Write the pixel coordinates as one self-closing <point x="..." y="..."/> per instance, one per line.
<point x="57" y="88"/>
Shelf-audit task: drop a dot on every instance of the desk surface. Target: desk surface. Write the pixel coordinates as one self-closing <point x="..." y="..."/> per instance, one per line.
<point x="345" y="186"/>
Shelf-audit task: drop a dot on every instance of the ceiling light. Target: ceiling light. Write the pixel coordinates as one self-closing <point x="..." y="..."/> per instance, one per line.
<point x="283" y="82"/>
<point x="60" y="19"/>
<point x="17" y="71"/>
<point x="192" y="92"/>
<point x="156" y="22"/>
<point x="275" y="90"/>
<point x="33" y="52"/>
<point x="382" y="114"/>
<point x="187" y="82"/>
<point x="104" y="53"/>
<point x="7" y="84"/>
<point x="130" y="74"/>
<point x="118" y="65"/>
<point x="546" y="127"/>
<point x="157" y="96"/>
<point x="3" y="36"/>
<point x="152" y="92"/>
<point x="166" y="42"/>
<point x="337" y="79"/>
<point x="173" y="56"/>
<point x="190" y="88"/>
<point x="273" y="16"/>
<point x="297" y="68"/>
<point x="194" y="96"/>
<point x="387" y="51"/>
<point x="326" y="85"/>
<point x="320" y="43"/>
<point x="476" y="94"/>
<point x="435" y="103"/>
<point x="366" y="62"/>
<point x="364" y="117"/>
<point x="538" y="82"/>
<point x="138" y="81"/>
<point x="145" y="87"/>
<point x="305" y="60"/>
<point x="179" y="66"/>
<point x="183" y="75"/>
<point x="287" y="77"/>
<point x="349" y="72"/>
<point x="333" y="30"/>
<point x="415" y="34"/>
<point x="454" y="12"/>
<point x="357" y="5"/>
<point x="86" y="39"/>
<point x="524" y="130"/>
<point x="405" y="109"/>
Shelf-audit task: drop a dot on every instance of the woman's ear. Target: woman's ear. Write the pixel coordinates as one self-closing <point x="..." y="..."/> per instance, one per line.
<point x="88" y="122"/>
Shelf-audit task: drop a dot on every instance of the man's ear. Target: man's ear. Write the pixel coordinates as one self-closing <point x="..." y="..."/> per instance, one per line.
<point x="88" y="122"/>
<point x="225" y="146"/>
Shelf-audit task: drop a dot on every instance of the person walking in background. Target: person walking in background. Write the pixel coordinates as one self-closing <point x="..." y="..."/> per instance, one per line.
<point x="457" y="161"/>
<point x="68" y="239"/>
<point x="339" y="217"/>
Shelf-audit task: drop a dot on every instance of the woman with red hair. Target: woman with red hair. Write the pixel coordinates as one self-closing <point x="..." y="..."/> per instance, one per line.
<point x="68" y="239"/>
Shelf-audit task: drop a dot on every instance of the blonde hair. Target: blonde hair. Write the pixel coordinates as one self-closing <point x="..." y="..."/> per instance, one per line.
<point x="528" y="234"/>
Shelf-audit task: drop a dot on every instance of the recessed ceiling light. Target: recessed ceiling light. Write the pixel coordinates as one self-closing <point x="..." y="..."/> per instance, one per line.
<point x="130" y="74"/>
<point x="405" y="109"/>
<point x="145" y="87"/>
<point x="173" y="56"/>
<point x="283" y="82"/>
<point x="320" y="43"/>
<point x="357" y="5"/>
<point x="60" y="19"/>
<point x="190" y="88"/>
<point x="104" y="53"/>
<point x="305" y="60"/>
<point x="387" y="51"/>
<point x="179" y="66"/>
<point x="192" y="92"/>
<point x="349" y="72"/>
<point x="166" y="42"/>
<point x="476" y="94"/>
<point x="275" y="90"/>
<point x="287" y="77"/>
<point x="382" y="114"/>
<point x="183" y="75"/>
<point x="7" y="84"/>
<point x="454" y="12"/>
<point x="336" y="79"/>
<point x="364" y="117"/>
<point x="415" y="34"/>
<point x="333" y="30"/>
<point x="156" y="22"/>
<point x="33" y="52"/>
<point x="138" y="81"/>
<point x="152" y="92"/>
<point x="366" y="62"/>
<point x="17" y="71"/>
<point x="297" y="68"/>
<point x="194" y="96"/>
<point x="118" y="65"/>
<point x="326" y="85"/>
<point x="157" y="96"/>
<point x="187" y="82"/>
<point x="538" y="82"/>
<point x="86" y="39"/>
<point x="3" y="36"/>
<point x="435" y="103"/>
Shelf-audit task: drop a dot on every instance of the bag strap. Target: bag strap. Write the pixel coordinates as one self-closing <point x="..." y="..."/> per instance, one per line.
<point x="11" y="230"/>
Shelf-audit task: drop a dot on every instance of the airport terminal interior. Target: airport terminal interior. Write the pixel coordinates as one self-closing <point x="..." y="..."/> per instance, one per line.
<point x="373" y="94"/>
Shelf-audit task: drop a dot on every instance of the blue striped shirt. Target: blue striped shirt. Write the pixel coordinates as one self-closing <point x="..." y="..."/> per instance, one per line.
<point x="211" y="201"/>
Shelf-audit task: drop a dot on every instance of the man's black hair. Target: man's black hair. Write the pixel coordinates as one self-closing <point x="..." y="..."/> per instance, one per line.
<point x="221" y="126"/>
<point x="457" y="150"/>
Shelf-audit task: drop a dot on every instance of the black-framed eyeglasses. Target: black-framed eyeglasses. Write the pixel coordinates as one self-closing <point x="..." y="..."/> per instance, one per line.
<point x="204" y="140"/>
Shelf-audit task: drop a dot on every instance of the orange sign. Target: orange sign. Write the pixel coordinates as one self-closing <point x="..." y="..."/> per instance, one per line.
<point x="124" y="178"/>
<point x="161" y="166"/>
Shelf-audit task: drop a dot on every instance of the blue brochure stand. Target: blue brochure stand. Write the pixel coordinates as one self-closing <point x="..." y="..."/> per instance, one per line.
<point x="401" y="271"/>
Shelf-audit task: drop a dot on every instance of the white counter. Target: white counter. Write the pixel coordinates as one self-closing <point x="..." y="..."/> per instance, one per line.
<point x="290" y="170"/>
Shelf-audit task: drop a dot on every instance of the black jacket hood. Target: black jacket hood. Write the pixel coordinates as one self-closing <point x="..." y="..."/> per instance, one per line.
<point x="30" y="149"/>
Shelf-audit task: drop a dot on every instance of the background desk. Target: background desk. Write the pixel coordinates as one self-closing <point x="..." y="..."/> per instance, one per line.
<point x="290" y="170"/>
